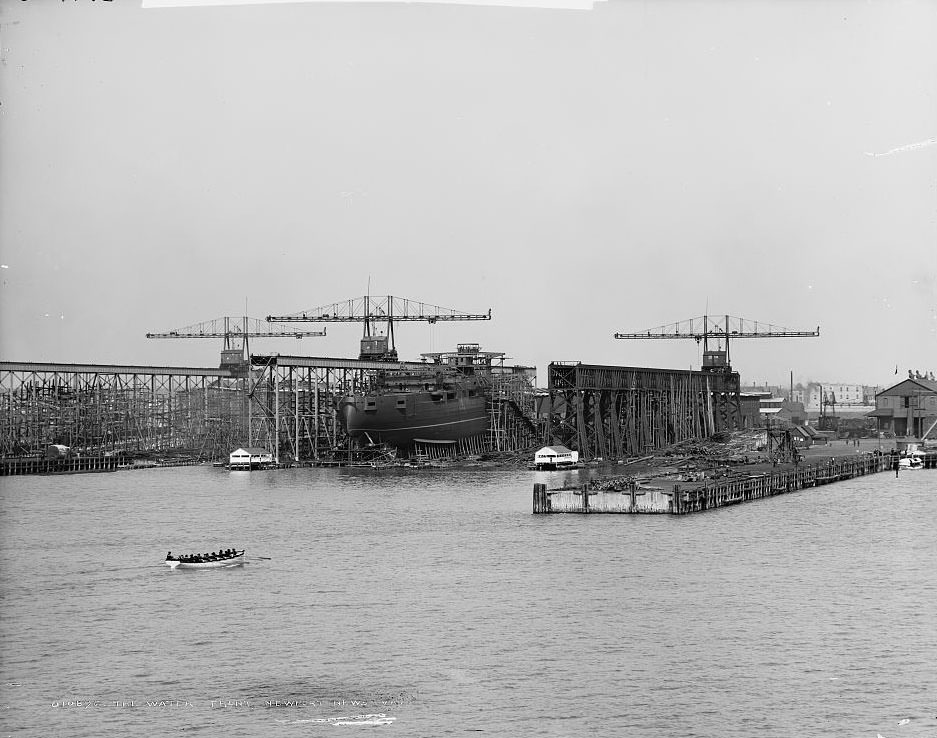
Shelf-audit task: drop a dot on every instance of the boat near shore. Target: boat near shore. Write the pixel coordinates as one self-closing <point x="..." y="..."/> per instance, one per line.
<point x="201" y="562"/>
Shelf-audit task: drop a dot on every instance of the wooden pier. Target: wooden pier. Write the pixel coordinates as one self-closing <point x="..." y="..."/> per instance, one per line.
<point x="627" y="496"/>
<point x="77" y="465"/>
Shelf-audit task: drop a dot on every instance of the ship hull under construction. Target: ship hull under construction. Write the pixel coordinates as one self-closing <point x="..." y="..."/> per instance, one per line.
<point x="400" y="419"/>
<point x="444" y="403"/>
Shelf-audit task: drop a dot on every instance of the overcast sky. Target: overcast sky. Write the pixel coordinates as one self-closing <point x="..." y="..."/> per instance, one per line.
<point x="578" y="172"/>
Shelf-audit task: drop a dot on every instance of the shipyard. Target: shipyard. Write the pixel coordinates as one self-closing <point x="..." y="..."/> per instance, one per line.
<point x="559" y="369"/>
<point x="464" y="407"/>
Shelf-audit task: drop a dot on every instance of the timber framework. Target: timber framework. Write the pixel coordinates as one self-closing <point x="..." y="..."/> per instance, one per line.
<point x="100" y="409"/>
<point x="613" y="412"/>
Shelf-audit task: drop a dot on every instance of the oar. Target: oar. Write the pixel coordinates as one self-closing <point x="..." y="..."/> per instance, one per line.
<point x="263" y="558"/>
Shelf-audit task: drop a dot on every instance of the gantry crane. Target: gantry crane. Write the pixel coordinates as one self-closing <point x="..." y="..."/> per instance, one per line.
<point x="722" y="328"/>
<point x="236" y="333"/>
<point x="371" y="310"/>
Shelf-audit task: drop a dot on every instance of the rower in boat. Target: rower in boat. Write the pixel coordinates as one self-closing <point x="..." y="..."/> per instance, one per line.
<point x="220" y="558"/>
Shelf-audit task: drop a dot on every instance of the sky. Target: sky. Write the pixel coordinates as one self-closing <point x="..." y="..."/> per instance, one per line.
<point x="579" y="172"/>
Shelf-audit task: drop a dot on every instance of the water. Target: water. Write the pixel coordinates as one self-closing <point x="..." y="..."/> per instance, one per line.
<point x="433" y="603"/>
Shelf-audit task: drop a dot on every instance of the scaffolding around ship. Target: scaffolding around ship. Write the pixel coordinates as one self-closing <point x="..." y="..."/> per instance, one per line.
<point x="293" y="400"/>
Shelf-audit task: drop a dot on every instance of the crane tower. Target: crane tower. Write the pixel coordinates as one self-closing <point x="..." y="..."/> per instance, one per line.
<point x="236" y="333"/>
<point x="722" y="328"/>
<point x="371" y="311"/>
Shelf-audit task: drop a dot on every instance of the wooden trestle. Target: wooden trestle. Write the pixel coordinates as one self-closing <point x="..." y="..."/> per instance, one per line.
<point x="613" y="412"/>
<point x="99" y="409"/>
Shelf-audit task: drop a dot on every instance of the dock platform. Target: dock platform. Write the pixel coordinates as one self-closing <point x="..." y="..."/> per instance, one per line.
<point x="76" y="465"/>
<point x="626" y="496"/>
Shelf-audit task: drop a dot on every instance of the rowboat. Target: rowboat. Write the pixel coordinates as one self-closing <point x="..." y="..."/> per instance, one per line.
<point x="220" y="562"/>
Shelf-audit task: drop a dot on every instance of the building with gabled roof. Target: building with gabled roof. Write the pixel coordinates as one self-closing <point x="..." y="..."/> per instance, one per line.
<point x="907" y="409"/>
<point x="250" y="458"/>
<point x="555" y="457"/>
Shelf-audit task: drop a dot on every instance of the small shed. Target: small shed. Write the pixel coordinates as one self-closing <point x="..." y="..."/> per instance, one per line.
<point x="823" y="438"/>
<point x="803" y="437"/>
<point x="250" y="458"/>
<point x="555" y="457"/>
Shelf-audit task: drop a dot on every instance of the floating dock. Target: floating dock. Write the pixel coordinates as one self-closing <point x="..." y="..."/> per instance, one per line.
<point x="626" y="496"/>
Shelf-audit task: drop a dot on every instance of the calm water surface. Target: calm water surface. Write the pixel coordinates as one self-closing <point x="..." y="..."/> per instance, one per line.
<point x="432" y="603"/>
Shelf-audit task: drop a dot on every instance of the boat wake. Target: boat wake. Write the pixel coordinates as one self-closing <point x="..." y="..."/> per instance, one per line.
<point x="379" y="718"/>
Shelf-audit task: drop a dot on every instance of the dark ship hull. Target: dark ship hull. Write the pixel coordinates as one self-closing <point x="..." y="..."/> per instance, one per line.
<point x="403" y="417"/>
<point x="443" y="403"/>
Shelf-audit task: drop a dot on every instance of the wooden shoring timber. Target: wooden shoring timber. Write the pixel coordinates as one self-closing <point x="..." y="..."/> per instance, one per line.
<point x="580" y="404"/>
<point x="598" y="423"/>
<point x="614" y="421"/>
<point x="634" y="445"/>
<point x="640" y="415"/>
<point x="496" y="421"/>
<point x="472" y="445"/>
<point x="647" y="417"/>
<point x="622" y="420"/>
<point x="674" y="422"/>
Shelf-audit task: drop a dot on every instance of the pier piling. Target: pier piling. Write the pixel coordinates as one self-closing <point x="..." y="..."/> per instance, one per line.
<point x="621" y="495"/>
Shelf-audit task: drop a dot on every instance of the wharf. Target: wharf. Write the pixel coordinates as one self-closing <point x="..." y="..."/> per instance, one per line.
<point x="77" y="465"/>
<point x="20" y="465"/>
<point x="627" y="496"/>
